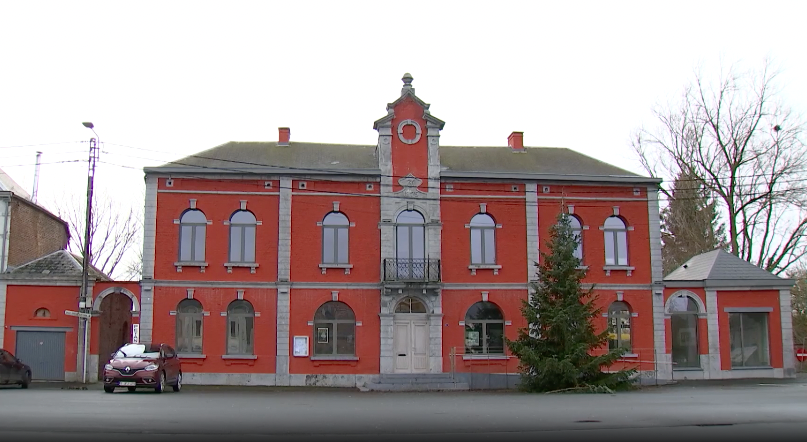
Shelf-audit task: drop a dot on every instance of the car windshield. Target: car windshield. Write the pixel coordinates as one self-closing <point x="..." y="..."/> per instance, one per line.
<point x="137" y="351"/>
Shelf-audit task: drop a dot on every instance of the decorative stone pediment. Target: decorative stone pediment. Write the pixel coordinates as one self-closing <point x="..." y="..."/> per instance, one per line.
<point x="410" y="185"/>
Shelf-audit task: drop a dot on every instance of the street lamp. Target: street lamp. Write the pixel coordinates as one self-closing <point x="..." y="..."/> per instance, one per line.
<point x="85" y="299"/>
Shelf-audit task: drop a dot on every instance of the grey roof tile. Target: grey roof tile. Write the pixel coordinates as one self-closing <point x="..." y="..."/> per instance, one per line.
<point x="305" y="158"/>
<point x="59" y="264"/>
<point x="720" y="265"/>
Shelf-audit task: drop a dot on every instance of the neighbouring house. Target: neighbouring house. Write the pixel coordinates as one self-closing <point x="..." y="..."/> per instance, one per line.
<point x="40" y="281"/>
<point x="726" y="318"/>
<point x="27" y="230"/>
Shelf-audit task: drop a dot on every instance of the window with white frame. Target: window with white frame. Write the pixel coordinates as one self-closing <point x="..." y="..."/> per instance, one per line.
<point x="749" y="339"/>
<point x="192" y="226"/>
<point x="484" y="329"/>
<point x="577" y="231"/>
<point x="334" y="330"/>
<point x="335" y="227"/>
<point x="189" y="326"/>
<point x="483" y="239"/>
<point x="242" y="236"/>
<point x="240" y="328"/>
<point x="619" y="335"/>
<point x="616" y="241"/>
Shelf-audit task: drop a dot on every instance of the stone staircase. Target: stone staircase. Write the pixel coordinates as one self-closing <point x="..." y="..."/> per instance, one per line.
<point x="415" y="382"/>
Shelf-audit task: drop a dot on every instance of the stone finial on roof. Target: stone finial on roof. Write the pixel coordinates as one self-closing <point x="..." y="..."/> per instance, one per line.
<point x="407" y="79"/>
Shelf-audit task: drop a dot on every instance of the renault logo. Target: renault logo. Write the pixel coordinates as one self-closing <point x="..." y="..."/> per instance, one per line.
<point x="128" y="368"/>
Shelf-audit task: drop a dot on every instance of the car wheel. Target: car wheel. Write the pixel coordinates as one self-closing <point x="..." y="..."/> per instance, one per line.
<point x="109" y="389"/>
<point x="160" y="387"/>
<point x="26" y="380"/>
<point x="178" y="385"/>
<point x="131" y="388"/>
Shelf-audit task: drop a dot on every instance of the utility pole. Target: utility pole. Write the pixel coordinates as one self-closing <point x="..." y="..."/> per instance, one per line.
<point x="36" y="177"/>
<point x="85" y="298"/>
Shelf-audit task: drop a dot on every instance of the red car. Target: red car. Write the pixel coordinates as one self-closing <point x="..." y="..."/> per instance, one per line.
<point x="13" y="371"/>
<point x="143" y="365"/>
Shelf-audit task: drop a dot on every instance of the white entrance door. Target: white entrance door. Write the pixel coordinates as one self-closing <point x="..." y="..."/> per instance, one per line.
<point x="411" y="343"/>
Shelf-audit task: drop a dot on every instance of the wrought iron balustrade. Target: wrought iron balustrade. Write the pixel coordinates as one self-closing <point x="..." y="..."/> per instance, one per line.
<point x="411" y="270"/>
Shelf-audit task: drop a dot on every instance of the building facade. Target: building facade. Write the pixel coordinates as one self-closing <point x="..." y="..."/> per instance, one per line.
<point x="293" y="263"/>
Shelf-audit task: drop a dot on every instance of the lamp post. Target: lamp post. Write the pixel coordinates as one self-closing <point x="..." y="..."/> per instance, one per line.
<point x="85" y="298"/>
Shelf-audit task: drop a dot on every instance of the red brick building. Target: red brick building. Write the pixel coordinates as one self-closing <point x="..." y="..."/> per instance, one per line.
<point x="294" y="263"/>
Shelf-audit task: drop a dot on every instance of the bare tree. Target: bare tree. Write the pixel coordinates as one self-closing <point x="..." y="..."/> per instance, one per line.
<point x="744" y="146"/>
<point x="115" y="230"/>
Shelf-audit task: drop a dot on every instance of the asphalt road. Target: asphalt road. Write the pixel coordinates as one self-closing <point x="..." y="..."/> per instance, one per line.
<point x="681" y="413"/>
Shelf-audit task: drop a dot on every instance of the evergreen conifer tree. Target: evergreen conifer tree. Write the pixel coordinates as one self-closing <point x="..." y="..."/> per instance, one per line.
<point x="560" y="348"/>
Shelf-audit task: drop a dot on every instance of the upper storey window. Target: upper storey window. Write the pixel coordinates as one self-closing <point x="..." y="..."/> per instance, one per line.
<point x="483" y="240"/>
<point x="192" y="226"/>
<point x="242" y="237"/>
<point x="577" y="231"/>
<point x="616" y="241"/>
<point x="335" y="238"/>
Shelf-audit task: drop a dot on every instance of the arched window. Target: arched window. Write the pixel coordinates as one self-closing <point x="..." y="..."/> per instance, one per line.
<point x="192" y="225"/>
<point x="189" y="326"/>
<point x="334" y="330"/>
<point x="577" y="231"/>
<point x="619" y="326"/>
<point x="42" y="313"/>
<point x="684" y="327"/>
<point x="240" y="330"/>
<point x="616" y="242"/>
<point x="483" y="242"/>
<point x="242" y="236"/>
<point x="410" y="245"/>
<point x="410" y="305"/>
<point x="484" y="329"/>
<point x="335" y="238"/>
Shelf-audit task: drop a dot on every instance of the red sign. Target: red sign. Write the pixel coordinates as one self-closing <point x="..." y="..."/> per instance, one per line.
<point x="801" y="354"/>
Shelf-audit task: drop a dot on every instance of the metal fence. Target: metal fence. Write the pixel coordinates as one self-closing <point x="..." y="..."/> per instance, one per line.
<point x="412" y="270"/>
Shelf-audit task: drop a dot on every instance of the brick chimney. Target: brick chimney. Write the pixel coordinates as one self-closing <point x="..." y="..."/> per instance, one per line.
<point x="516" y="141"/>
<point x="285" y="135"/>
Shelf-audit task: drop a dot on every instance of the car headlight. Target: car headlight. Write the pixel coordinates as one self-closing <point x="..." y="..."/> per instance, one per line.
<point x="151" y="367"/>
<point x="108" y="367"/>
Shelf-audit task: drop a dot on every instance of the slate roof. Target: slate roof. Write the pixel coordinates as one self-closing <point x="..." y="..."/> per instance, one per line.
<point x="721" y="268"/>
<point x="60" y="264"/>
<point x="456" y="161"/>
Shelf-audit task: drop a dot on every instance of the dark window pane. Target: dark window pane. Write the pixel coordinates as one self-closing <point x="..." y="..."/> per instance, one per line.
<point x="495" y="337"/>
<point x="684" y="329"/>
<point x="334" y="310"/>
<point x="473" y="338"/>
<point x="345" y="338"/>
<point x="483" y="311"/>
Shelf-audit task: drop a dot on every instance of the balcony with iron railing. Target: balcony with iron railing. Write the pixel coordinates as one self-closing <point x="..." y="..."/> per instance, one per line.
<point x="411" y="270"/>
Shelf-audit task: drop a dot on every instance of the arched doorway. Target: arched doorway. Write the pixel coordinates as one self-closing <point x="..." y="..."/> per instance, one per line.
<point x="411" y="336"/>
<point x="683" y="311"/>
<point x="115" y="326"/>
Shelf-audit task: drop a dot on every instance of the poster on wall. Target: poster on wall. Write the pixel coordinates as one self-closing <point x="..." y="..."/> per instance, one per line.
<point x="135" y="333"/>
<point x="472" y="338"/>
<point x="301" y="346"/>
<point x="322" y="335"/>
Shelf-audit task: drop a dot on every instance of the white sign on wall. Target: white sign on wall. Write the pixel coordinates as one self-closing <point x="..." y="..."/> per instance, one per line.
<point x="301" y="346"/>
<point x="135" y="333"/>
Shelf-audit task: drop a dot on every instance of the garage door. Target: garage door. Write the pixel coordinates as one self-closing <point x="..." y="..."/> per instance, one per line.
<point x="43" y="351"/>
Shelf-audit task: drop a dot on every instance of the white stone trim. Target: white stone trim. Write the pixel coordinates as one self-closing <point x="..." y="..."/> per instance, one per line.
<point x="532" y="230"/>
<point x="190" y="294"/>
<point x="713" y="365"/>
<point x="146" y="311"/>
<point x="663" y="359"/>
<point x="96" y="305"/>
<point x="283" y="335"/>
<point x="218" y="192"/>
<point x="149" y="227"/>
<point x="3" y="292"/>
<point x="284" y="231"/>
<point x="788" y="350"/>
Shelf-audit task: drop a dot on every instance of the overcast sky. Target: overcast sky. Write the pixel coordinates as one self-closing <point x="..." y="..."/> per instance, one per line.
<point x="165" y="79"/>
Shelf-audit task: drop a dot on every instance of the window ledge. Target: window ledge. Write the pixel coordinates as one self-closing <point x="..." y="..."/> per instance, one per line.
<point x="763" y="367"/>
<point x="251" y="265"/>
<point x="239" y="356"/>
<point x="334" y="358"/>
<point x="191" y="356"/>
<point x="688" y="369"/>
<point x="485" y="357"/>
<point x="581" y="267"/>
<point x="325" y="267"/>
<point x="200" y="264"/>
<point x="475" y="267"/>
<point x="630" y="355"/>
<point x="608" y="269"/>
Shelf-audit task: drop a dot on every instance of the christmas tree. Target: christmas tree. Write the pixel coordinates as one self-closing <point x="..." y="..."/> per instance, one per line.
<point x="560" y="348"/>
